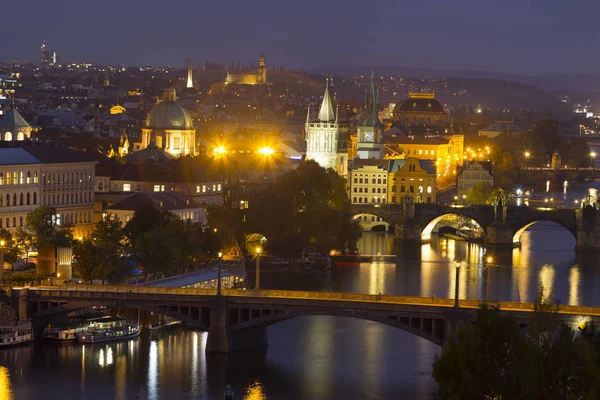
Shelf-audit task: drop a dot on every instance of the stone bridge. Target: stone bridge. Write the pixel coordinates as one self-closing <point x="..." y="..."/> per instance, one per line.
<point x="503" y="226"/>
<point x="238" y="319"/>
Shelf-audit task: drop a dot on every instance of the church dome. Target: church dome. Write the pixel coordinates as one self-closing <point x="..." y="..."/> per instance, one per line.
<point x="419" y="103"/>
<point x="168" y="114"/>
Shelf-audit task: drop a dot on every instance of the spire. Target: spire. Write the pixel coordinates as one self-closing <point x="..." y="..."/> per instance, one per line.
<point x="337" y="114"/>
<point x="190" y="80"/>
<point x="371" y="102"/>
<point x="308" y="115"/>
<point x="326" y="112"/>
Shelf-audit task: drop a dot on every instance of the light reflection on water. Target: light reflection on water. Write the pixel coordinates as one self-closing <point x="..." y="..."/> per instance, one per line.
<point x="315" y="357"/>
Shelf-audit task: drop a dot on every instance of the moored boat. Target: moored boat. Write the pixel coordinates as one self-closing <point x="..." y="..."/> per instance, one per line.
<point x="62" y="334"/>
<point x="109" y="330"/>
<point x="15" y="333"/>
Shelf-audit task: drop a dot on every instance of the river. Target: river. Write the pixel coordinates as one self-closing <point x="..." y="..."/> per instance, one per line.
<point x="316" y="358"/>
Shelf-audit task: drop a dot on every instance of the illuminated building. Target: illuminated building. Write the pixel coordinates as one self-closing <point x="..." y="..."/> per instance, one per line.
<point x="46" y="175"/>
<point x="327" y="138"/>
<point x="411" y="178"/>
<point x="170" y="127"/>
<point x="421" y="110"/>
<point x="190" y="79"/>
<point x="446" y="150"/>
<point x="500" y="126"/>
<point x="14" y="127"/>
<point x="184" y="208"/>
<point x="48" y="57"/>
<point x="258" y="78"/>
<point x="368" y="181"/>
<point x="370" y="131"/>
<point x="472" y="173"/>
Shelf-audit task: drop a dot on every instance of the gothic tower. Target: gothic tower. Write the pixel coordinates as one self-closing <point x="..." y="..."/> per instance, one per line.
<point x="261" y="76"/>
<point x="370" y="131"/>
<point x="327" y="138"/>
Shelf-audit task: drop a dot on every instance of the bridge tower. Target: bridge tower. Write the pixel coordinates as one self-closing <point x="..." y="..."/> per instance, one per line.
<point x="588" y="229"/>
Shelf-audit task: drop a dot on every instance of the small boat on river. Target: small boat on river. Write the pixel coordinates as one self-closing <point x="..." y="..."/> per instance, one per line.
<point x="109" y="330"/>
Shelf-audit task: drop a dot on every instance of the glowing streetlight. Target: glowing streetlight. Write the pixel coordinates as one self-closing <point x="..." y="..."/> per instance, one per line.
<point x="257" y="285"/>
<point x="456" y="279"/>
<point x="2" y="244"/>
<point x="219" y="257"/>
<point x="266" y="151"/>
<point x="220" y="150"/>
<point x="593" y="155"/>
<point x="527" y="154"/>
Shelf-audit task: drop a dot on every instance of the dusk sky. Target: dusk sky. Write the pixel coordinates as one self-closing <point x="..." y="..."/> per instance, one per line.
<point x="519" y="36"/>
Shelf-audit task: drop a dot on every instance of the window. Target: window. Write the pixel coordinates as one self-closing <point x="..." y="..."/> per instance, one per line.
<point x="127" y="187"/>
<point x="14" y="199"/>
<point x="243" y="204"/>
<point x="373" y="181"/>
<point x="28" y="199"/>
<point x="355" y="180"/>
<point x="198" y="189"/>
<point x="402" y="189"/>
<point x="56" y="219"/>
<point x="157" y="188"/>
<point x="355" y="190"/>
<point x="1" y="178"/>
<point x="8" y="180"/>
<point x="428" y="189"/>
<point x="20" y="136"/>
<point x="203" y="188"/>
<point x="378" y="190"/>
<point x="8" y="137"/>
<point x="420" y="189"/>
<point x="373" y="190"/>
<point x="28" y="180"/>
<point x="354" y="200"/>
<point x="360" y="180"/>
<point x="379" y="181"/>
<point x="176" y="143"/>
<point x="214" y="188"/>
<point x="159" y="141"/>
<point x="34" y="198"/>
<point x="372" y="199"/>
<point x="383" y="190"/>
<point x="411" y="189"/>
<point x="219" y="187"/>
<point x="393" y="199"/>
<point x="394" y="189"/>
<point x="15" y="178"/>
<point x="360" y="199"/>
<point x="21" y="220"/>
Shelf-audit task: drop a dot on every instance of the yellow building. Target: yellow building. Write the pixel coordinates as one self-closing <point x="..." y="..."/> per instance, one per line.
<point x="446" y="150"/>
<point x="411" y="178"/>
<point x="258" y="78"/>
<point x="368" y="181"/>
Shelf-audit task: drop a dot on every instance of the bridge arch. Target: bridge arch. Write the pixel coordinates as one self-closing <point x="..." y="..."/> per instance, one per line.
<point x="519" y="232"/>
<point x="432" y="328"/>
<point x="428" y="229"/>
<point x="369" y="221"/>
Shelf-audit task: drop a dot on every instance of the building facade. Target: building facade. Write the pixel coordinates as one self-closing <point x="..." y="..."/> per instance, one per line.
<point x="412" y="178"/>
<point x="327" y="138"/>
<point x="14" y="127"/>
<point x="473" y="173"/>
<point x="47" y="175"/>
<point x="259" y="78"/>
<point x="170" y="127"/>
<point x="420" y="109"/>
<point x="368" y="181"/>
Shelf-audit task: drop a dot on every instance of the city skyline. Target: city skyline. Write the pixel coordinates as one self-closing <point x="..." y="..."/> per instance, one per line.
<point x="528" y="38"/>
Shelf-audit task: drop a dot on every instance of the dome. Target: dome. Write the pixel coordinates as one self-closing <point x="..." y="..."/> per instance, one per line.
<point x="419" y="104"/>
<point x="169" y="115"/>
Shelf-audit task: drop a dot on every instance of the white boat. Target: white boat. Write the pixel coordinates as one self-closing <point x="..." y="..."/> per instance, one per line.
<point x="109" y="330"/>
<point x="14" y="333"/>
<point x="63" y="334"/>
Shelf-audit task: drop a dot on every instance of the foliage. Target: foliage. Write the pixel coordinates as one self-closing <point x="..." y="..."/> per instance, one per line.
<point x="40" y="224"/>
<point x="10" y="250"/>
<point x="494" y="359"/>
<point x="480" y="193"/>
<point x="110" y="240"/>
<point x="86" y="260"/>
<point x="144" y="220"/>
<point x="22" y="277"/>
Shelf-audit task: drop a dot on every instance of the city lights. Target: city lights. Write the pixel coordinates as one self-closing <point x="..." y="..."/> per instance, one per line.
<point x="527" y="154"/>
<point x="220" y="150"/>
<point x="266" y="151"/>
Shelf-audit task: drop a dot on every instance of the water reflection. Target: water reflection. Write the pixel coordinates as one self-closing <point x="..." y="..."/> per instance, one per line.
<point x="153" y="371"/>
<point x="5" y="388"/>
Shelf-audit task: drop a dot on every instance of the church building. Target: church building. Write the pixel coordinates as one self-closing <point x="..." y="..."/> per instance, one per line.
<point x="327" y="138"/>
<point x="170" y="127"/>
<point x="259" y="78"/>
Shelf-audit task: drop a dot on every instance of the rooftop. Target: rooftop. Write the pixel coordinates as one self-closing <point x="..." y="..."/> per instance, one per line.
<point x="159" y="200"/>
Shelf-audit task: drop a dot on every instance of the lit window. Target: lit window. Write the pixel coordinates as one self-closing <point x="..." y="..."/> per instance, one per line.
<point x="157" y="188"/>
<point x="214" y="188"/>
<point x="176" y="143"/>
<point x="243" y="204"/>
<point x="197" y="189"/>
<point x="219" y="187"/>
<point x="127" y="187"/>
<point x="428" y="189"/>
<point x="162" y="188"/>
<point x="203" y="188"/>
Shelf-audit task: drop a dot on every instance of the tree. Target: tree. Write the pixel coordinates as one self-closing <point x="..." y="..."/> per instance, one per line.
<point x="480" y="193"/>
<point x="489" y="359"/>
<point x="110" y="240"/>
<point x="544" y="322"/>
<point x="144" y="220"/>
<point x="86" y="260"/>
<point x="10" y="250"/>
<point x="157" y="251"/>
<point x="40" y="224"/>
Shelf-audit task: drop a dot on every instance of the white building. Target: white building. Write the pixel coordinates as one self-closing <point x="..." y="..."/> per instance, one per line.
<point x="472" y="173"/>
<point x="327" y="138"/>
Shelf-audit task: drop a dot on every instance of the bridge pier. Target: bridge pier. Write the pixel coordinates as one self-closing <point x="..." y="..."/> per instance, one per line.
<point x="221" y="339"/>
<point x="20" y="304"/>
<point x="588" y="229"/>
<point x="499" y="234"/>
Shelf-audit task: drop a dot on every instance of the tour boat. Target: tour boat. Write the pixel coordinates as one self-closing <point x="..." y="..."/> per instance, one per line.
<point x="109" y="330"/>
<point x="14" y="333"/>
<point x="63" y="334"/>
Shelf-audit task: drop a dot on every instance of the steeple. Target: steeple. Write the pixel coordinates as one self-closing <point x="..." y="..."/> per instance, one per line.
<point x="371" y="104"/>
<point x="326" y="113"/>
<point x="308" y="114"/>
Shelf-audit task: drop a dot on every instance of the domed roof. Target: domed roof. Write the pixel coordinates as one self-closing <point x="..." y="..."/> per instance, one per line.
<point x="419" y="104"/>
<point x="169" y="115"/>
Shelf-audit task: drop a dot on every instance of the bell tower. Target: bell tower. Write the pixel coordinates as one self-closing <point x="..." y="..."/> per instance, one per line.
<point x="370" y="131"/>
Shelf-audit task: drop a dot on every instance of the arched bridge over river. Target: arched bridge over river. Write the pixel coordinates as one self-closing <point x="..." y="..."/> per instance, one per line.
<point x="238" y="318"/>
<point x="502" y="225"/>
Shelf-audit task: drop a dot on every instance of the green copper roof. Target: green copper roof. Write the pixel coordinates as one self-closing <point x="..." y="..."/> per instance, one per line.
<point x="169" y="115"/>
<point x="372" y="99"/>
<point x="13" y="119"/>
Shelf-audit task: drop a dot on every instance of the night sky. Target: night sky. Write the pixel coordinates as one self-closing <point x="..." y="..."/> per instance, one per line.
<point x="518" y="36"/>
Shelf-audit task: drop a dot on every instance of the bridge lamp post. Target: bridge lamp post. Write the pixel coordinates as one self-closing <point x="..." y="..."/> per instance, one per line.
<point x="257" y="284"/>
<point x="456" y="279"/>
<point x="489" y="260"/>
<point x="593" y="155"/>
<point x="219" y="258"/>
<point x="2" y="244"/>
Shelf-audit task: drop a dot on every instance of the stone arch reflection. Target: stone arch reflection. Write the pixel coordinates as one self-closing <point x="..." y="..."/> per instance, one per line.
<point x="463" y="226"/>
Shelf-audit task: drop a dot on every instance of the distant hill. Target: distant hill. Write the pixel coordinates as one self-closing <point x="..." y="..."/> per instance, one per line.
<point x="557" y="81"/>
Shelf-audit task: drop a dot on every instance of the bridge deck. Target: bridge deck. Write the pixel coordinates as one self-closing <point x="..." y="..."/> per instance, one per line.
<point x="79" y="291"/>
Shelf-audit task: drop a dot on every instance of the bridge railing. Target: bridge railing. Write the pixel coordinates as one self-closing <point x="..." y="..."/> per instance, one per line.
<point x="76" y="290"/>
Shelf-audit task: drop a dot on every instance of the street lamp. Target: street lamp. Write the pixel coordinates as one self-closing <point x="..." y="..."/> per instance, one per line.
<point x="219" y="257"/>
<point x="266" y="151"/>
<point x="593" y="155"/>
<point x="489" y="260"/>
<point x="2" y="244"/>
<point x="456" y="285"/>
<point x="257" y="284"/>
